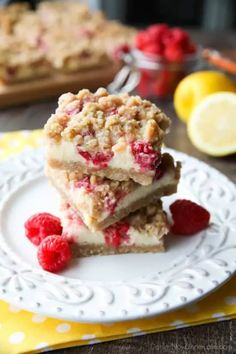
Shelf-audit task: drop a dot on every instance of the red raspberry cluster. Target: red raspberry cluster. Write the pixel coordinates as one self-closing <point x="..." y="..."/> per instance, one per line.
<point x="44" y="230"/>
<point x="168" y="46"/>
<point x="171" y="44"/>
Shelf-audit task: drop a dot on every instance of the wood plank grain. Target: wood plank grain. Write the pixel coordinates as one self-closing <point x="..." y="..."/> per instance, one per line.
<point x="31" y="91"/>
<point x="218" y="338"/>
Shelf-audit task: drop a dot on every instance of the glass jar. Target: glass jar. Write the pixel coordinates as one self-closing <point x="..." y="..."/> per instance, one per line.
<point x="151" y="76"/>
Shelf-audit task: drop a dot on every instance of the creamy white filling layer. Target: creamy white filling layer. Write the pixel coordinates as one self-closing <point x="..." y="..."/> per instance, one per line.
<point x="81" y="235"/>
<point x="86" y="203"/>
<point x="142" y="192"/>
<point x="65" y="151"/>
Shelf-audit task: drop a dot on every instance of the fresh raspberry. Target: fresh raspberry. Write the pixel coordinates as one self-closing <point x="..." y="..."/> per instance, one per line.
<point x="167" y="38"/>
<point x="41" y="225"/>
<point x="54" y="253"/>
<point x="179" y="36"/>
<point x="84" y="183"/>
<point x="157" y="31"/>
<point x="142" y="39"/>
<point x="169" y="43"/>
<point x="99" y="159"/>
<point x="174" y="53"/>
<point x="154" y="48"/>
<point x="116" y="234"/>
<point x="145" y="155"/>
<point x="189" y="217"/>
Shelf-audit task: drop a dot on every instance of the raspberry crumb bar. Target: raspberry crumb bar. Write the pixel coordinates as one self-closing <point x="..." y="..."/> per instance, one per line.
<point x="141" y="231"/>
<point x="113" y="136"/>
<point x="21" y="63"/>
<point x="100" y="201"/>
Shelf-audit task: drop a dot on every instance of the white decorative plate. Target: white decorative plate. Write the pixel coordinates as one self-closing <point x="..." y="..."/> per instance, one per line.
<point x="121" y="287"/>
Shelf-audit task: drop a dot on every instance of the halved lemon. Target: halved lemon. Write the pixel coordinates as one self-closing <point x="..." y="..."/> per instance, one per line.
<point x="212" y="125"/>
<point x="195" y="87"/>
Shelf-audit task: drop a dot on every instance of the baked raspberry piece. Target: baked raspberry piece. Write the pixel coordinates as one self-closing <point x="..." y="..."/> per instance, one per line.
<point x="85" y="154"/>
<point x="54" y="253"/>
<point x="145" y="155"/>
<point x="84" y="183"/>
<point x="41" y="225"/>
<point x="189" y="217"/>
<point x="116" y="234"/>
<point x="99" y="159"/>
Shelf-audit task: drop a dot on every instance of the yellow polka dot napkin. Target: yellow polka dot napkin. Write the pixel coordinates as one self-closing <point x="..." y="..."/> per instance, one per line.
<point x="25" y="332"/>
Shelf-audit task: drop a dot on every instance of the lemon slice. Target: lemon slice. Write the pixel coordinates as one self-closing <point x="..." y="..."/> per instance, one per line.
<point x="212" y="125"/>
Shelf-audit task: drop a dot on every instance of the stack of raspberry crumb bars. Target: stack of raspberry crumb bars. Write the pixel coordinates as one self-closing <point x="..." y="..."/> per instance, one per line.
<point x="104" y="157"/>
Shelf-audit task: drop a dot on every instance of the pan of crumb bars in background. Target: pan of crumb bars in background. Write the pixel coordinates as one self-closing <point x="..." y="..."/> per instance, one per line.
<point x="61" y="46"/>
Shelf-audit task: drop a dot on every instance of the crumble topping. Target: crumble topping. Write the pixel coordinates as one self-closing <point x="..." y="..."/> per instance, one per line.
<point x="152" y="219"/>
<point x="67" y="34"/>
<point x="10" y="15"/>
<point x="105" y="193"/>
<point x="99" y="121"/>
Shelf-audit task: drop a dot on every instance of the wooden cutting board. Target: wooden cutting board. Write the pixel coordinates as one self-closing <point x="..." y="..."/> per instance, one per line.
<point x="40" y="89"/>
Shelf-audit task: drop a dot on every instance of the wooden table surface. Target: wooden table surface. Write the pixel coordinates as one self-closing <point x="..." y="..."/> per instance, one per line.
<point x="212" y="338"/>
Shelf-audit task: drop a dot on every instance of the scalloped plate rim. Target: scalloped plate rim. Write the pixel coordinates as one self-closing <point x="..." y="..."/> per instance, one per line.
<point x="100" y="317"/>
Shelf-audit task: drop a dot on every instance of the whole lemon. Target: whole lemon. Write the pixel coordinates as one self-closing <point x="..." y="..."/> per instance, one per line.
<point x="194" y="87"/>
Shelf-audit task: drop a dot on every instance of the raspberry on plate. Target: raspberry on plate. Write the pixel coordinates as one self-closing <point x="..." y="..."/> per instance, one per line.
<point x="54" y="253"/>
<point x="189" y="217"/>
<point x="41" y="225"/>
